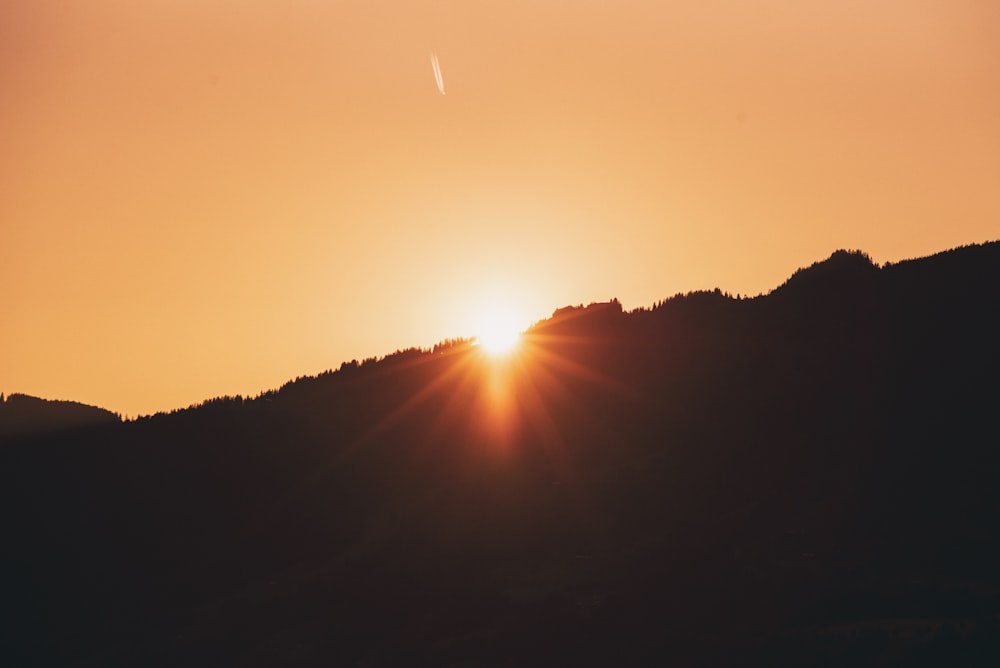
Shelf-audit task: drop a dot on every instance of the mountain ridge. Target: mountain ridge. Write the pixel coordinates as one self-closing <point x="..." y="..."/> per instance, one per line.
<point x="25" y="415"/>
<point x="727" y="481"/>
<point x="842" y="264"/>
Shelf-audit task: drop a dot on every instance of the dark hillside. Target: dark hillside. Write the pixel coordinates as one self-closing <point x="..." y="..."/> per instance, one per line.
<point x="802" y="478"/>
<point x="23" y="415"/>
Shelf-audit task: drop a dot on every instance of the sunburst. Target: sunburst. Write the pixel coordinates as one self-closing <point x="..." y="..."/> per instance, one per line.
<point x="498" y="332"/>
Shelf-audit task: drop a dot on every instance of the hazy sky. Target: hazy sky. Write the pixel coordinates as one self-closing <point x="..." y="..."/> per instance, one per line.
<point x="205" y="197"/>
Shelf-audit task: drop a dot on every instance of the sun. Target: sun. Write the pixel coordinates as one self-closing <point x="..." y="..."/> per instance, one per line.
<point x="498" y="331"/>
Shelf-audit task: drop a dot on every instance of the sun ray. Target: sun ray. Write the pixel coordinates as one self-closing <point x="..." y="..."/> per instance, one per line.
<point x="495" y="404"/>
<point x="540" y="347"/>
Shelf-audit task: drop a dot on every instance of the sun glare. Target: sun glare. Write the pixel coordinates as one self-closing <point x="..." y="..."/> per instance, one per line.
<point x="498" y="332"/>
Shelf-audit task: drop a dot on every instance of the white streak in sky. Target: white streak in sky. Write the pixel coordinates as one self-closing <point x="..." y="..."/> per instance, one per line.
<point x="437" y="72"/>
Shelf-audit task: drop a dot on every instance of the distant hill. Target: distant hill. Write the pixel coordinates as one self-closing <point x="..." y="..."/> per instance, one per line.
<point x="806" y="477"/>
<point x="23" y="415"/>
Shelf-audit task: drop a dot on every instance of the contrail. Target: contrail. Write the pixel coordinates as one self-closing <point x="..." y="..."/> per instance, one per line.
<point x="437" y="72"/>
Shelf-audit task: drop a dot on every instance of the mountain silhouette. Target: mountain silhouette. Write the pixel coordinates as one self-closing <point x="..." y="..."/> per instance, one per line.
<point x="22" y="415"/>
<point x="806" y="477"/>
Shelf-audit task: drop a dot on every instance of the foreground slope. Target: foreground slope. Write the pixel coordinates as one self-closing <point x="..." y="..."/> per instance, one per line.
<point x="806" y="477"/>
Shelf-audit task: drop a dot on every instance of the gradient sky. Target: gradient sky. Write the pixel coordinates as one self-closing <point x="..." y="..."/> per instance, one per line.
<point x="206" y="197"/>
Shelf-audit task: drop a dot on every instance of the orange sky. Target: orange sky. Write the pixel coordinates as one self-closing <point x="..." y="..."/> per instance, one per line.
<point x="206" y="197"/>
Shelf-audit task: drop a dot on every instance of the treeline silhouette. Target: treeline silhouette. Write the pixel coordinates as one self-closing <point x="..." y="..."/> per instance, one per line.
<point x="806" y="477"/>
